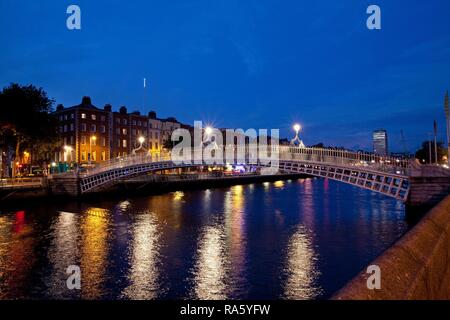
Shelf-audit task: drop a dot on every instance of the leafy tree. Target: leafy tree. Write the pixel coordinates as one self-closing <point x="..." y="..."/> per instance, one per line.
<point x="26" y="121"/>
<point x="424" y="154"/>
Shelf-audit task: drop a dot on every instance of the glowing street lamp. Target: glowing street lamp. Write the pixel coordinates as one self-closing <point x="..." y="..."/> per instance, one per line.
<point x="208" y="130"/>
<point x="296" y="140"/>
<point x="141" y="140"/>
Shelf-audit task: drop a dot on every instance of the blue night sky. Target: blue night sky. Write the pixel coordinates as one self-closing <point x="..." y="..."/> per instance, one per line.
<point x="241" y="64"/>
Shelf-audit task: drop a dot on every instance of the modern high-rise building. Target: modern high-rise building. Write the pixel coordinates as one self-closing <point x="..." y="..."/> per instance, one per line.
<point x="380" y="142"/>
<point x="92" y="135"/>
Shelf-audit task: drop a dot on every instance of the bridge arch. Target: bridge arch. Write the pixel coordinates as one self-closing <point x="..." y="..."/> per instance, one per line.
<point x="389" y="184"/>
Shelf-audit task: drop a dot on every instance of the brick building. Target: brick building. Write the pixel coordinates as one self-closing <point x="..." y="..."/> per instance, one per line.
<point x="92" y="134"/>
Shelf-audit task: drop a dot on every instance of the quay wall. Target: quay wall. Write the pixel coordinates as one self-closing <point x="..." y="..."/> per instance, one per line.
<point x="416" y="267"/>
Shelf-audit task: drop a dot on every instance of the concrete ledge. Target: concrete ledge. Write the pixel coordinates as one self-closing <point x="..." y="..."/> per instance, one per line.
<point x="415" y="267"/>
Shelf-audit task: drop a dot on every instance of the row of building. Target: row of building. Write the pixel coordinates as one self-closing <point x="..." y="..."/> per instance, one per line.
<point x="91" y="135"/>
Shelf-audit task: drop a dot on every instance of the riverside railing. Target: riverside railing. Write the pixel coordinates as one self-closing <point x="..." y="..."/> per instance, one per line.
<point x="338" y="157"/>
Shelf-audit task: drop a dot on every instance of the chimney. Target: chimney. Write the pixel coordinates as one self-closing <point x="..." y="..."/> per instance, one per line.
<point x="107" y="107"/>
<point x="86" y="101"/>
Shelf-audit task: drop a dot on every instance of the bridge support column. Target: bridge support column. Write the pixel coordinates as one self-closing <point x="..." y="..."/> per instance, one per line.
<point x="428" y="186"/>
<point x="65" y="185"/>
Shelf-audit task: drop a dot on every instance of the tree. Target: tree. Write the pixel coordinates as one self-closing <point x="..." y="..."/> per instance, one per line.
<point x="25" y="115"/>
<point x="423" y="154"/>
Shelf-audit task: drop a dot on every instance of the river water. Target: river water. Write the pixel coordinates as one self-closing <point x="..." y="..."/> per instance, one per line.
<point x="296" y="239"/>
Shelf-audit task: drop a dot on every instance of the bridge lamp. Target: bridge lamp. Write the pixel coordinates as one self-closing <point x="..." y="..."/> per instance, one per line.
<point x="297" y="128"/>
<point x="208" y="130"/>
<point x="141" y="140"/>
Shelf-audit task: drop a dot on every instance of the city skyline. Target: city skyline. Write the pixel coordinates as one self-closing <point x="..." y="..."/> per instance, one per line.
<point x="237" y="65"/>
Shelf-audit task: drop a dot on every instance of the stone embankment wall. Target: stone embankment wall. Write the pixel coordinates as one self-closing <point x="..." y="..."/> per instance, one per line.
<point x="415" y="267"/>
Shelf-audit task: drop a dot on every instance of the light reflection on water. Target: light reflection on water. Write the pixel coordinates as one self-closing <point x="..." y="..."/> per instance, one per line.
<point x="300" y="239"/>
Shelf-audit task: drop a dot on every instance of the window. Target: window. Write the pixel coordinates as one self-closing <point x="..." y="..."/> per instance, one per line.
<point x="118" y="120"/>
<point x="72" y="116"/>
<point x="72" y="127"/>
<point x="139" y="123"/>
<point x="71" y="140"/>
<point x="150" y="145"/>
<point x="65" y="128"/>
<point x="94" y="155"/>
<point x="118" y="143"/>
<point x="83" y="116"/>
<point x="65" y="117"/>
<point x="156" y="145"/>
<point x="124" y="143"/>
<point x="125" y="121"/>
<point x="156" y="135"/>
<point x="133" y="132"/>
<point x="145" y="124"/>
<point x="93" y="117"/>
<point x="134" y="122"/>
<point x="93" y="128"/>
<point x="83" y="127"/>
<point x="124" y="131"/>
<point x="60" y="118"/>
<point x="118" y="130"/>
<point x="102" y="129"/>
<point x="150" y="125"/>
<point x="103" y="156"/>
<point x="103" y="142"/>
<point x="102" y="118"/>
<point x="83" y="140"/>
<point x="83" y="156"/>
<point x="93" y="142"/>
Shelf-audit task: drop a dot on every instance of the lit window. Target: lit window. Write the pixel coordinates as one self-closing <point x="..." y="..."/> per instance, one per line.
<point x="93" y="117"/>
<point x="124" y="131"/>
<point x="83" y="140"/>
<point x="103" y="156"/>
<point x="83" y="116"/>
<point x="83" y="156"/>
<point x="103" y="142"/>
<point x="124" y="143"/>
<point x="94" y="155"/>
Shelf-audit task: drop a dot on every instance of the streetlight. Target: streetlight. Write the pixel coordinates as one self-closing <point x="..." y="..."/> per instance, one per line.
<point x="92" y="138"/>
<point x="208" y="130"/>
<point x="141" y="140"/>
<point x="296" y="140"/>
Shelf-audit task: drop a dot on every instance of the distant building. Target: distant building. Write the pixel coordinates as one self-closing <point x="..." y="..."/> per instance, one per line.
<point x="90" y="134"/>
<point x="380" y="142"/>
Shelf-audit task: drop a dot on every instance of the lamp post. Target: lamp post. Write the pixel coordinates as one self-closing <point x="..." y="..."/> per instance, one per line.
<point x="447" y="121"/>
<point x="92" y="138"/>
<point x="296" y="139"/>
<point x="141" y="140"/>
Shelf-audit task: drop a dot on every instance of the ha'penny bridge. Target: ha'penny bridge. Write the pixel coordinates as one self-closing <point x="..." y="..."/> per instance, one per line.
<point x="396" y="177"/>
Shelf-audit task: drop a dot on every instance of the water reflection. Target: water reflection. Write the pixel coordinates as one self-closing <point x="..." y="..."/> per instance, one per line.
<point x="63" y="252"/>
<point x="210" y="269"/>
<point x="94" y="250"/>
<point x="144" y="256"/>
<point x="301" y="268"/>
<point x="298" y="240"/>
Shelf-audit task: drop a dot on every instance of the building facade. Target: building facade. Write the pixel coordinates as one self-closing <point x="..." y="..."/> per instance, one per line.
<point x="380" y="142"/>
<point x="93" y="135"/>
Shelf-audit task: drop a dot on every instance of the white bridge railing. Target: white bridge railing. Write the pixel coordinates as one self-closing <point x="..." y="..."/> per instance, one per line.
<point x="337" y="157"/>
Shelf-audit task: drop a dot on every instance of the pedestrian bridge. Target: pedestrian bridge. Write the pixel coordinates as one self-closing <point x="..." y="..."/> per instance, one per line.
<point x="386" y="175"/>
